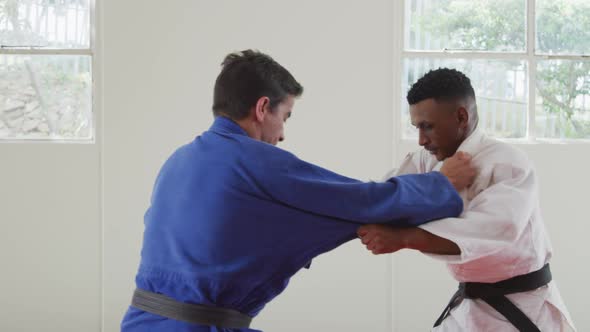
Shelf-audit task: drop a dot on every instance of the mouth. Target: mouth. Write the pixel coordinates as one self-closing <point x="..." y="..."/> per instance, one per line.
<point x="432" y="151"/>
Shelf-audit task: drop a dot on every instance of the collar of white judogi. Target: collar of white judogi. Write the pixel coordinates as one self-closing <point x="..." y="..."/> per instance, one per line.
<point x="472" y="142"/>
<point x="470" y="145"/>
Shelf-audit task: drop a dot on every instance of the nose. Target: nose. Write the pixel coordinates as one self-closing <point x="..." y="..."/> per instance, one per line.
<point x="422" y="138"/>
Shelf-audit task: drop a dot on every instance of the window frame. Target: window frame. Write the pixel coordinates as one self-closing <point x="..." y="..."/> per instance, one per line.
<point x="529" y="56"/>
<point x="95" y="71"/>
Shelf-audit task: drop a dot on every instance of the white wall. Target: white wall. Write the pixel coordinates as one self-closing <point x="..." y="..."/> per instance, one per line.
<point x="50" y="237"/>
<point x="158" y="92"/>
<point x="158" y="70"/>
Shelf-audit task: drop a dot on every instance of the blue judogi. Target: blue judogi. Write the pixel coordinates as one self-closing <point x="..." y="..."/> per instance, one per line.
<point x="232" y="219"/>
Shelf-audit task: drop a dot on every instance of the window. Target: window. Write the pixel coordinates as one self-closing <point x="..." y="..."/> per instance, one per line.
<point x="527" y="60"/>
<point x="46" y="60"/>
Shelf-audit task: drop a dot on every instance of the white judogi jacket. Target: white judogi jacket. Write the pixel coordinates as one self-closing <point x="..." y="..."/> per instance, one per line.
<point x="500" y="233"/>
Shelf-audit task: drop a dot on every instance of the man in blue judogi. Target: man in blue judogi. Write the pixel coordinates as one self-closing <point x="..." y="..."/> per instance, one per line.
<point x="233" y="217"/>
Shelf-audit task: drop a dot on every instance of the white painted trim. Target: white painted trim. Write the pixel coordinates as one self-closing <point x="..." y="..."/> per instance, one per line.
<point x="463" y="54"/>
<point x="33" y="140"/>
<point x="39" y="51"/>
<point x="29" y="140"/>
<point x="398" y="46"/>
<point x="92" y="22"/>
<point x="453" y="54"/>
<point x="95" y="70"/>
<point x="580" y="57"/>
<point x="533" y="58"/>
<point x="531" y="71"/>
<point x="516" y="141"/>
<point x="97" y="46"/>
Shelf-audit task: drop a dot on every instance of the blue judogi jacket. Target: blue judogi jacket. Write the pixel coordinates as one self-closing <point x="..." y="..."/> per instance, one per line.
<point x="232" y="219"/>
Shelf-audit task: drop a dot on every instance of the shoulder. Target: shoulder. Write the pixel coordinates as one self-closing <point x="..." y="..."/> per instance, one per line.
<point x="245" y="147"/>
<point x="419" y="161"/>
<point x="497" y="152"/>
<point x="500" y="162"/>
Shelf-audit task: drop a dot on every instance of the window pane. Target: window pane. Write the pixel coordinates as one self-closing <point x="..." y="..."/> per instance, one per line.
<point x="45" y="23"/>
<point x="500" y="88"/>
<point x="563" y="99"/>
<point x="484" y="25"/>
<point x="45" y="97"/>
<point x="563" y="26"/>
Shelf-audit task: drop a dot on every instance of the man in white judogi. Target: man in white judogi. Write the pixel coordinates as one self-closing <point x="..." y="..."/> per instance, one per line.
<point x="498" y="248"/>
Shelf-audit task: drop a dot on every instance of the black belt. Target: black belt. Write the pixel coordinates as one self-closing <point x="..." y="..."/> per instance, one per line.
<point x="165" y="306"/>
<point x="494" y="295"/>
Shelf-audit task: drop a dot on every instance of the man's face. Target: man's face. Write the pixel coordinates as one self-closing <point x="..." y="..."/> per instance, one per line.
<point x="272" y="125"/>
<point x="441" y="126"/>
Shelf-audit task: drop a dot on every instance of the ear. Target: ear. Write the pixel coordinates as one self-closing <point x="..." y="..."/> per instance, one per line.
<point x="261" y="108"/>
<point x="462" y="117"/>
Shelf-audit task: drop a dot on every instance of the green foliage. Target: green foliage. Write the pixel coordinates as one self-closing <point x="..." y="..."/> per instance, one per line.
<point x="477" y="25"/>
<point x="562" y="26"/>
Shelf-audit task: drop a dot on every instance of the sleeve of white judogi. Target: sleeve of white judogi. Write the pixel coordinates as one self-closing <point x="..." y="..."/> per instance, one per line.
<point x="494" y="218"/>
<point x="410" y="165"/>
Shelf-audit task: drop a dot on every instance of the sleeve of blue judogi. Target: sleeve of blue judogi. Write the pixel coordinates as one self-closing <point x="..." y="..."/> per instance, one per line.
<point x="407" y="200"/>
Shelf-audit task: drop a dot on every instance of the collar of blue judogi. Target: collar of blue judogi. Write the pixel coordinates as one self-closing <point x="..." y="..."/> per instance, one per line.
<point x="225" y="125"/>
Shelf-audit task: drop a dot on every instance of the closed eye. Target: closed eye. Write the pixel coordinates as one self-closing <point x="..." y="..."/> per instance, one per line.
<point x="424" y="126"/>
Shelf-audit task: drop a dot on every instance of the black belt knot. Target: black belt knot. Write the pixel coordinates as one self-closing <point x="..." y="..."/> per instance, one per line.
<point x="494" y="294"/>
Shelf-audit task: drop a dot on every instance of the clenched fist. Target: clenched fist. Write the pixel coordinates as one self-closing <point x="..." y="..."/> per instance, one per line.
<point x="381" y="239"/>
<point x="458" y="170"/>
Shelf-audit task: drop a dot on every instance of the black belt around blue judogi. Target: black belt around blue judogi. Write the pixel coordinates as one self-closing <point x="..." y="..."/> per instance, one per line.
<point x="165" y="306"/>
<point x="494" y="295"/>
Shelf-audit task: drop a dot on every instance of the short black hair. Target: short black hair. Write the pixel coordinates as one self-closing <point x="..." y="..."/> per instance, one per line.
<point x="247" y="76"/>
<point x="441" y="84"/>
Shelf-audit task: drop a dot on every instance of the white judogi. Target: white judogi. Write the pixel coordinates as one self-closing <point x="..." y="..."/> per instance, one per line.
<point x="500" y="233"/>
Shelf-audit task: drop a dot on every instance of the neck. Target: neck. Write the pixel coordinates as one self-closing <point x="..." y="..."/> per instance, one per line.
<point x="249" y="127"/>
<point x="470" y="129"/>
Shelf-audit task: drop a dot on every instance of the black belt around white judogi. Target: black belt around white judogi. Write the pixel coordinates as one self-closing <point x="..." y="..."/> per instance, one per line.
<point x="494" y="295"/>
<point x="165" y="306"/>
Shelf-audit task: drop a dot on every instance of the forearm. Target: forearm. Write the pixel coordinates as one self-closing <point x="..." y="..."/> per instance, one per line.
<point x="419" y="239"/>
<point x="420" y="198"/>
